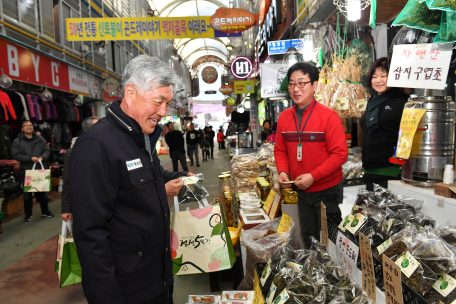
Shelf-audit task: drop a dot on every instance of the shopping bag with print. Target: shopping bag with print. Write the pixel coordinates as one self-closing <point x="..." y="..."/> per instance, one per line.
<point x="200" y="241"/>
<point x="67" y="258"/>
<point x="37" y="180"/>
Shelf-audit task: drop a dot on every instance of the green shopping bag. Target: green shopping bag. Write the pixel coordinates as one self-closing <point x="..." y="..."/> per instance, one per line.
<point x="69" y="268"/>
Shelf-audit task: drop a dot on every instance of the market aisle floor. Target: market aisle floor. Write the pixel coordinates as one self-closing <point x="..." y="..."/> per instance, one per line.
<point x="27" y="251"/>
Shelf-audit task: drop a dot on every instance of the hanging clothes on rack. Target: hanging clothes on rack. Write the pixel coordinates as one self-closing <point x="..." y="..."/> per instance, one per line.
<point x="7" y="106"/>
<point x="25" y="114"/>
<point x="5" y="144"/>
<point x="31" y="107"/>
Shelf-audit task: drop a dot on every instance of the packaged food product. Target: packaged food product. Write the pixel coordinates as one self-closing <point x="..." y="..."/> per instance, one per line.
<point x="193" y="190"/>
<point x="280" y="256"/>
<point x="203" y="299"/>
<point x="238" y="295"/>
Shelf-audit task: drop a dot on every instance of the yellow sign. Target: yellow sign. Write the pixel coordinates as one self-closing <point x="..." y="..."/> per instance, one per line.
<point x="258" y="298"/>
<point x="409" y="124"/>
<point x="269" y="200"/>
<point x="96" y="29"/>
<point x="285" y="223"/>
<point x="244" y="86"/>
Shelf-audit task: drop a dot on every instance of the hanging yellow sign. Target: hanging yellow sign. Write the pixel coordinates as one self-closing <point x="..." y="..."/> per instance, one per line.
<point x="409" y="124"/>
<point x="244" y="86"/>
<point x="96" y="29"/>
<point x="285" y="223"/>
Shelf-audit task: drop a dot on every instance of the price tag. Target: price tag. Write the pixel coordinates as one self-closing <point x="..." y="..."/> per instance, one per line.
<point x="408" y="264"/>
<point x="367" y="267"/>
<point x="392" y="282"/>
<point x="385" y="245"/>
<point x="271" y="294"/>
<point x="285" y="223"/>
<point x="269" y="200"/>
<point x="266" y="272"/>
<point x="347" y="253"/>
<point x="324" y="226"/>
<point x="298" y="267"/>
<point x="445" y="285"/>
<point x="356" y="223"/>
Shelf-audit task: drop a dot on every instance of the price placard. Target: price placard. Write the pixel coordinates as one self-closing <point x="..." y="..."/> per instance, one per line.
<point x="392" y="282"/>
<point x="347" y="253"/>
<point x="409" y="124"/>
<point x="367" y="267"/>
<point x="423" y="66"/>
<point x="324" y="226"/>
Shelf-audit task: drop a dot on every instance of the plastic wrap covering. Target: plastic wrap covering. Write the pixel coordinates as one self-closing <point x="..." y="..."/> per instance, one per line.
<point x="193" y="190"/>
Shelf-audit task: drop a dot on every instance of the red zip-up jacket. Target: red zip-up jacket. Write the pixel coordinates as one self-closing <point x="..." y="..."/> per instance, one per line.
<point x="220" y="137"/>
<point x="324" y="148"/>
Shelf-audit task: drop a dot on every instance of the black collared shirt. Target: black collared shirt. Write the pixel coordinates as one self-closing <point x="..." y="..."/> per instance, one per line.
<point x="300" y="113"/>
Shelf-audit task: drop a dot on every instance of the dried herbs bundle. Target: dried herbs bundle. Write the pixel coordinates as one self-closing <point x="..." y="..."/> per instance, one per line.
<point x="321" y="94"/>
<point x="434" y="297"/>
<point x="360" y="94"/>
<point x="282" y="279"/>
<point x="301" y="289"/>
<point x="278" y="261"/>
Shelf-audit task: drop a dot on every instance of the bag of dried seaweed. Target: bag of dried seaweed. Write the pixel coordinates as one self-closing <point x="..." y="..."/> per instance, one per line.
<point x="281" y="280"/>
<point x="362" y="299"/>
<point x="362" y="198"/>
<point x="322" y="252"/>
<point x="278" y="260"/>
<point x="351" y="291"/>
<point x="334" y="273"/>
<point x="448" y="234"/>
<point x="443" y="290"/>
<point x="383" y="197"/>
<point x="300" y="290"/>
<point x="396" y="222"/>
<point x="299" y="258"/>
<point x="414" y="202"/>
<point x="397" y="244"/>
<point x="319" y="299"/>
<point x="338" y="298"/>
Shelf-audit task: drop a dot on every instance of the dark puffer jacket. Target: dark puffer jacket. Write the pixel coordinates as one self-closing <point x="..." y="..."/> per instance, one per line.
<point x="24" y="149"/>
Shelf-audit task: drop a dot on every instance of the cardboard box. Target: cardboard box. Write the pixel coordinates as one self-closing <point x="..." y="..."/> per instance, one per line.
<point x="14" y="206"/>
<point x="445" y="190"/>
<point x="55" y="182"/>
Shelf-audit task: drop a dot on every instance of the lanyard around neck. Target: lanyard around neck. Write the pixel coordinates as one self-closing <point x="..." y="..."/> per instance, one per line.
<point x="296" y="123"/>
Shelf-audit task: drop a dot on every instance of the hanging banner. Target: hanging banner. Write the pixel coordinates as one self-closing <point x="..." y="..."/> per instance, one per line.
<point x="244" y="86"/>
<point x="420" y="66"/>
<point x="79" y="81"/>
<point x="232" y="20"/>
<point x="280" y="47"/>
<point x="272" y="76"/>
<point x="409" y="124"/>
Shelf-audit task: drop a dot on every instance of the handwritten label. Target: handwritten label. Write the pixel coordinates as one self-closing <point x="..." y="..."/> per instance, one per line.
<point x="444" y="285"/>
<point x="285" y="223"/>
<point x="347" y="253"/>
<point x="408" y="264"/>
<point x="367" y="267"/>
<point x="392" y="282"/>
<point x="385" y="245"/>
<point x="324" y="226"/>
<point x="409" y="124"/>
<point x="423" y="66"/>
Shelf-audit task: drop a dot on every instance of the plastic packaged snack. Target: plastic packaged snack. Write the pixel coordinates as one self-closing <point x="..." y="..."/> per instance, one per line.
<point x="203" y="299"/>
<point x="300" y="290"/>
<point x="278" y="261"/>
<point x="448" y="234"/>
<point x="193" y="190"/>
<point x="397" y="244"/>
<point x="281" y="281"/>
<point x="238" y="295"/>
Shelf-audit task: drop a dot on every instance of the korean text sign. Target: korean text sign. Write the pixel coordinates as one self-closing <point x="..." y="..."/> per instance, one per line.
<point x="367" y="267"/>
<point x="95" y="29"/>
<point x="423" y="66"/>
<point x="392" y="281"/>
<point x="347" y="254"/>
<point x="409" y="124"/>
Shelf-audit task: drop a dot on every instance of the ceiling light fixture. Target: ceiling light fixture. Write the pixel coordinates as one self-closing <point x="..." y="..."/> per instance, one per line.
<point x="5" y="81"/>
<point x="46" y="95"/>
<point x="352" y="8"/>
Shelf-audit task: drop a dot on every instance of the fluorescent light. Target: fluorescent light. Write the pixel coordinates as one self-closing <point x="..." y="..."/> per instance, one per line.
<point x="354" y="10"/>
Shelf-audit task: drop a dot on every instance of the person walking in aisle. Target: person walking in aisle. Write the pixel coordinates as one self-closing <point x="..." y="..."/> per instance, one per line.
<point x="29" y="148"/>
<point x="119" y="196"/>
<point x="207" y="144"/>
<point x="310" y="148"/>
<point x="221" y="139"/>
<point x="193" y="139"/>
<point x="211" y="140"/>
<point x="65" y="201"/>
<point x="175" y="141"/>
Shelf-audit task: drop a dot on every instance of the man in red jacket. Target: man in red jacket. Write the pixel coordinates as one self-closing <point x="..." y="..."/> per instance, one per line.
<point x="311" y="149"/>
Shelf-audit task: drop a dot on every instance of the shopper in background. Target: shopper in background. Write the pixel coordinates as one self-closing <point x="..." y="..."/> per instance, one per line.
<point x="119" y="196"/>
<point x="207" y="144"/>
<point x="230" y="131"/>
<point x="272" y="138"/>
<point x="380" y="127"/>
<point x="65" y="201"/>
<point x="310" y="148"/>
<point x="221" y="139"/>
<point x="193" y="139"/>
<point x="29" y="148"/>
<point x="266" y="130"/>
<point x="175" y="141"/>
<point x="211" y="140"/>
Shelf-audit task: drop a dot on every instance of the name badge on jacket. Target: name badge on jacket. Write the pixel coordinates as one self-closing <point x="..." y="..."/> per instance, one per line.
<point x="134" y="164"/>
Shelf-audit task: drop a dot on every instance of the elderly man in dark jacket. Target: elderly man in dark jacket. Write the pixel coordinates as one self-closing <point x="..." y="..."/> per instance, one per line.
<point x="118" y="193"/>
<point x="28" y="149"/>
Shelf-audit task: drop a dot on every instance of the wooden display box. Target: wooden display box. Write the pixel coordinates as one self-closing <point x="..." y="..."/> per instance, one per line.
<point x="14" y="206"/>
<point x="444" y="190"/>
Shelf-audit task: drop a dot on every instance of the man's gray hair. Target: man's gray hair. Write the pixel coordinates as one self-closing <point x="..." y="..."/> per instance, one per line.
<point x="148" y="73"/>
<point x="88" y="122"/>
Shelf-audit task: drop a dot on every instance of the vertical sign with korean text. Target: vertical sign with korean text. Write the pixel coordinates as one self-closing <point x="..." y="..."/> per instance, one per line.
<point x="409" y="124"/>
<point x="347" y="254"/>
<point x="324" y="226"/>
<point x="253" y="117"/>
<point x="367" y="267"/>
<point x="392" y="281"/>
<point x="423" y="66"/>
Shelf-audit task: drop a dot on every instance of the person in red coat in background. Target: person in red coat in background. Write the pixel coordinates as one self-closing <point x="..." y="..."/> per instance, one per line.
<point x="310" y="149"/>
<point x="221" y="139"/>
<point x="272" y="138"/>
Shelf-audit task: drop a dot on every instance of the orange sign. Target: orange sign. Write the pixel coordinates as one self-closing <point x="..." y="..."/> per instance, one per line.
<point x="264" y="8"/>
<point x="226" y="89"/>
<point x="232" y="20"/>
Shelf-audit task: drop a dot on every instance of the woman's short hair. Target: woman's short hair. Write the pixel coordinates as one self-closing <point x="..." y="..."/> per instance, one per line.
<point x="379" y="63"/>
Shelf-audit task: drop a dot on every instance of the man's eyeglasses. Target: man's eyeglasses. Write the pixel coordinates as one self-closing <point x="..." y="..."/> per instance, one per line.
<point x="299" y="84"/>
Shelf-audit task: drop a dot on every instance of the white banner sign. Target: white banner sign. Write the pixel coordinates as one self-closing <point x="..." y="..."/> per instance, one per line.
<point x="347" y="254"/>
<point x="272" y="76"/>
<point x="79" y="81"/>
<point x="420" y="66"/>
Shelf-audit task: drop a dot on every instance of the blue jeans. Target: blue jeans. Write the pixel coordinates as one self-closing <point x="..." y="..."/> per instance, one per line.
<point x="41" y="197"/>
<point x="193" y="149"/>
